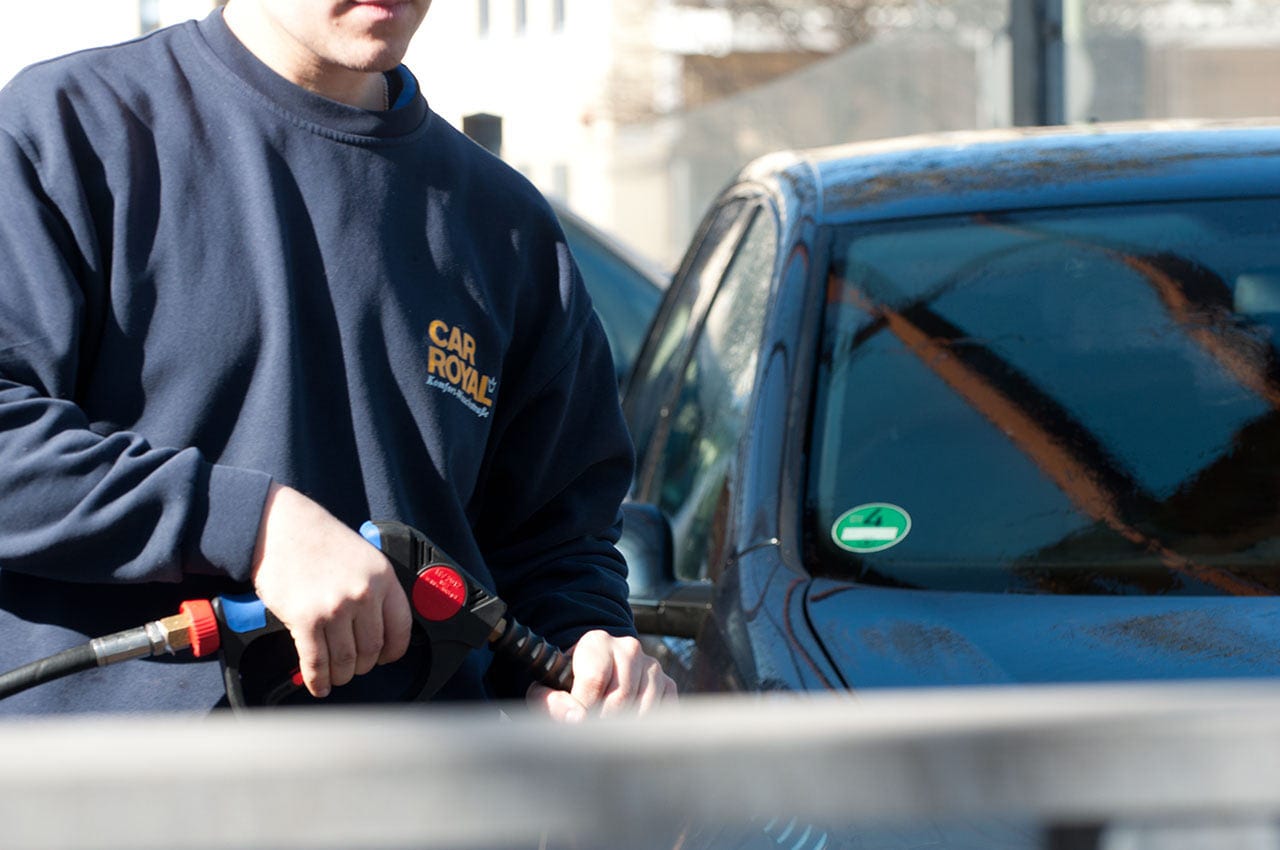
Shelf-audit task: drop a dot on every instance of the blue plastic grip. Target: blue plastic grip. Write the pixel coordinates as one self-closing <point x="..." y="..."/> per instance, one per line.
<point x="370" y="532"/>
<point x="244" y="612"/>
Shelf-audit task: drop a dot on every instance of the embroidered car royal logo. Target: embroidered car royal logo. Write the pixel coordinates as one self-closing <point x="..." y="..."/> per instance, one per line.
<point x="451" y="368"/>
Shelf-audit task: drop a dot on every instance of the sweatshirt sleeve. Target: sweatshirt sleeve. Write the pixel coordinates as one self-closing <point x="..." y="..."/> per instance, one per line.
<point x="81" y="503"/>
<point x="561" y="467"/>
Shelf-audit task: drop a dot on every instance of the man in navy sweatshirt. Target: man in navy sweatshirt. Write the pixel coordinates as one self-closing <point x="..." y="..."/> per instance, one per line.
<point x="254" y="292"/>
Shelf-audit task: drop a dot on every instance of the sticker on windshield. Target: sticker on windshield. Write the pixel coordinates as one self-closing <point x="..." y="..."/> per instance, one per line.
<point x="871" y="528"/>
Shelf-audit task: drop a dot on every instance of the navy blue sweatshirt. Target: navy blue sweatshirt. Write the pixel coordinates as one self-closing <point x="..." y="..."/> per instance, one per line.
<point x="211" y="278"/>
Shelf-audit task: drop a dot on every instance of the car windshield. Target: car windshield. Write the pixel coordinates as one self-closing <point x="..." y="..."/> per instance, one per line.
<point x="1075" y="401"/>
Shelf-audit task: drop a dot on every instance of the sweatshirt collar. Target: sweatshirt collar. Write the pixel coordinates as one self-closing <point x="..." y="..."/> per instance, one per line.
<point x="308" y="106"/>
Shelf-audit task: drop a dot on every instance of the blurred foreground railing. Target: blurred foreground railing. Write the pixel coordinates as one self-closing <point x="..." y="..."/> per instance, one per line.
<point x="1059" y="767"/>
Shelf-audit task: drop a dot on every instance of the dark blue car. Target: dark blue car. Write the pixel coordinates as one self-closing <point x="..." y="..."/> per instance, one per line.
<point x="624" y="285"/>
<point x="976" y="409"/>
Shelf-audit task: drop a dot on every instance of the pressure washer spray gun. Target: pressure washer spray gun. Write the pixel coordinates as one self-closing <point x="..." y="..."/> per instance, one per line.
<point x="452" y="615"/>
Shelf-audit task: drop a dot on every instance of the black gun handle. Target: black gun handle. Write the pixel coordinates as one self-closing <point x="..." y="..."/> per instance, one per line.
<point x="248" y="630"/>
<point x="458" y="614"/>
<point x="548" y="665"/>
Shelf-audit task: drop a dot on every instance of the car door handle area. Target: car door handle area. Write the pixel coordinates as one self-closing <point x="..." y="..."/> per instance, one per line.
<point x="679" y="613"/>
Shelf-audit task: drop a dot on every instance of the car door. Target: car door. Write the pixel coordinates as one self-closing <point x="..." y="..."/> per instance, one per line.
<point x="680" y="314"/>
<point x="697" y="391"/>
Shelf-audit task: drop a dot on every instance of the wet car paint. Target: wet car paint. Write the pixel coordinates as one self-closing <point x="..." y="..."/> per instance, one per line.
<point x="888" y="637"/>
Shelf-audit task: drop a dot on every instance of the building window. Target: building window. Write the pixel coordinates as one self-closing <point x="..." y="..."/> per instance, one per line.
<point x="557" y="15"/>
<point x="482" y="23"/>
<point x="522" y="16"/>
<point x="560" y="180"/>
<point x="148" y="15"/>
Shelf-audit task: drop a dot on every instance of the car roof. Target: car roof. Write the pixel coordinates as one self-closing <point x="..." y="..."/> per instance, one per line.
<point x="992" y="170"/>
<point x="642" y="265"/>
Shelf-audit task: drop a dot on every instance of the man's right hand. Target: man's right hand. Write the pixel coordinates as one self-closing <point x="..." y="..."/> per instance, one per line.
<point x="337" y="594"/>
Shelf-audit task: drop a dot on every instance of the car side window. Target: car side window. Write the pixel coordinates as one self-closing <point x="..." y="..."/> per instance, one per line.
<point x="663" y="355"/>
<point x="709" y="412"/>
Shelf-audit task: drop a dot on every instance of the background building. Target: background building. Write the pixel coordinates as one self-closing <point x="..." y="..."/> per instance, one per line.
<point x="30" y="32"/>
<point x="636" y="112"/>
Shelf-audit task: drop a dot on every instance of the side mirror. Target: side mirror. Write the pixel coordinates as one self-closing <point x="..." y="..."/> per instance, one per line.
<point x="662" y="604"/>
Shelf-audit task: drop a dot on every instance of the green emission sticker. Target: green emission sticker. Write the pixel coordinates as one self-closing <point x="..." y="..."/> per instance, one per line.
<point x="871" y="527"/>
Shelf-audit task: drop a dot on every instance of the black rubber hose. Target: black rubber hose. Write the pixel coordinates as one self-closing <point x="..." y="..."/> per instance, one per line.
<point x="82" y="657"/>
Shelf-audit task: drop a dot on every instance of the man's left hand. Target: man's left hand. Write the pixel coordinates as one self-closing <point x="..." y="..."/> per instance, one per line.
<point x="611" y="675"/>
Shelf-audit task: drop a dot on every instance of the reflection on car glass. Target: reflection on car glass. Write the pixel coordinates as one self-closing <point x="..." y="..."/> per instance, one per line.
<point x="1057" y="390"/>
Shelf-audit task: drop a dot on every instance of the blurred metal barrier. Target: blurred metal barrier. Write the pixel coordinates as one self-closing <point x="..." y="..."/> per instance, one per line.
<point x="1116" y="767"/>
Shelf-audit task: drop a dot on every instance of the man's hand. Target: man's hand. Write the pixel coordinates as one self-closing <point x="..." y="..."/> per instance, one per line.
<point x="611" y="675"/>
<point x="337" y="594"/>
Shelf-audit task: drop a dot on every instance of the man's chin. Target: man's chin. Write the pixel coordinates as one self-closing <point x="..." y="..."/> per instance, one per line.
<point x="377" y="57"/>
